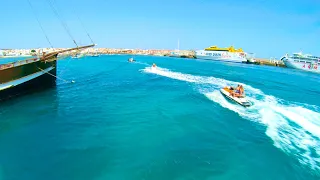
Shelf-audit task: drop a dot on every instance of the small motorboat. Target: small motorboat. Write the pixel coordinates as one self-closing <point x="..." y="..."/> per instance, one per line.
<point x="77" y="56"/>
<point x="95" y="55"/>
<point x="242" y="100"/>
<point x="131" y="60"/>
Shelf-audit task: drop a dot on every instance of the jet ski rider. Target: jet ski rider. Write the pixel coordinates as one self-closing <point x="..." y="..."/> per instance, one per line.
<point x="238" y="92"/>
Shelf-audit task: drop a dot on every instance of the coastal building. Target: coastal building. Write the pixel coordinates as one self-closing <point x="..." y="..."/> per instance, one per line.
<point x="39" y="51"/>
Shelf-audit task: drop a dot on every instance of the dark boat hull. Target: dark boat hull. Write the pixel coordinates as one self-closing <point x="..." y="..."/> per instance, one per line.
<point x="27" y="78"/>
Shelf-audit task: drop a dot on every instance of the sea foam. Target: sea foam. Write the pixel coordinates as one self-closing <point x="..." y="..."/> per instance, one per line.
<point x="293" y="127"/>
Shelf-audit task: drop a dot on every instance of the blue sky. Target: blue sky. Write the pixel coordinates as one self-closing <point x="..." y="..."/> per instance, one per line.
<point x="265" y="27"/>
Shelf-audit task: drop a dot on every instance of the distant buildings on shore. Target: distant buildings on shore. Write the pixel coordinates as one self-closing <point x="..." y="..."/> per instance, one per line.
<point x="35" y="52"/>
<point x="7" y="53"/>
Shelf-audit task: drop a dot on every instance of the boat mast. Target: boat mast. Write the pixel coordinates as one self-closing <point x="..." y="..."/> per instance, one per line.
<point x="42" y="29"/>
<point x="52" y="56"/>
<point x="178" y="45"/>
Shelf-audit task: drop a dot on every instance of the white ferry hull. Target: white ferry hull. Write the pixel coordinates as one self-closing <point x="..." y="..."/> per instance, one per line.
<point x="306" y="66"/>
<point x="221" y="56"/>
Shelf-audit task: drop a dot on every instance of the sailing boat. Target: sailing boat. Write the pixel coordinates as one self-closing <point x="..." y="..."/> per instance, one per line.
<point x="176" y="53"/>
<point x="39" y="72"/>
<point x="77" y="55"/>
<point x="96" y="54"/>
<point x="21" y="76"/>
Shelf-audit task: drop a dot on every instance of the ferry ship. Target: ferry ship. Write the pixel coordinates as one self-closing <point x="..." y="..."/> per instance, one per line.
<point x="301" y="61"/>
<point x="223" y="54"/>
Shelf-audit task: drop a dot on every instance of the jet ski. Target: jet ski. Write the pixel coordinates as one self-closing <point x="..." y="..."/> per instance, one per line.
<point x="242" y="100"/>
<point x="131" y="60"/>
<point x="154" y="66"/>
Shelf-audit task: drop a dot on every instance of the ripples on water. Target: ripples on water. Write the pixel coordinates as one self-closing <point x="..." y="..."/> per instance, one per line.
<point x="292" y="126"/>
<point x="124" y="120"/>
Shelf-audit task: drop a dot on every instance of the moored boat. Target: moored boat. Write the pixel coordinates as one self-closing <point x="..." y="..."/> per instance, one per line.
<point x="77" y="56"/>
<point x="35" y="73"/>
<point x="95" y="54"/>
<point x="19" y="76"/>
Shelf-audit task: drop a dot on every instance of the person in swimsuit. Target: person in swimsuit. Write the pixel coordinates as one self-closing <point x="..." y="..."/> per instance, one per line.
<point x="238" y="91"/>
<point x="232" y="88"/>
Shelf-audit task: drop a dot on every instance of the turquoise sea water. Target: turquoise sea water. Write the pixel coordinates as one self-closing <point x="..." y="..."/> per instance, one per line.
<point x="123" y="120"/>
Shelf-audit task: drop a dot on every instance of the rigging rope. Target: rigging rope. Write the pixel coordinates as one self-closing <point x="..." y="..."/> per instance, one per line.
<point x="35" y="14"/>
<point x="82" y="24"/>
<point x="56" y="76"/>
<point x="65" y="67"/>
<point x="84" y="27"/>
<point x="61" y="21"/>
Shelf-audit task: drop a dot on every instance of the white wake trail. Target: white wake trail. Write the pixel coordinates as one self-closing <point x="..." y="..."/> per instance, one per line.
<point x="293" y="127"/>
